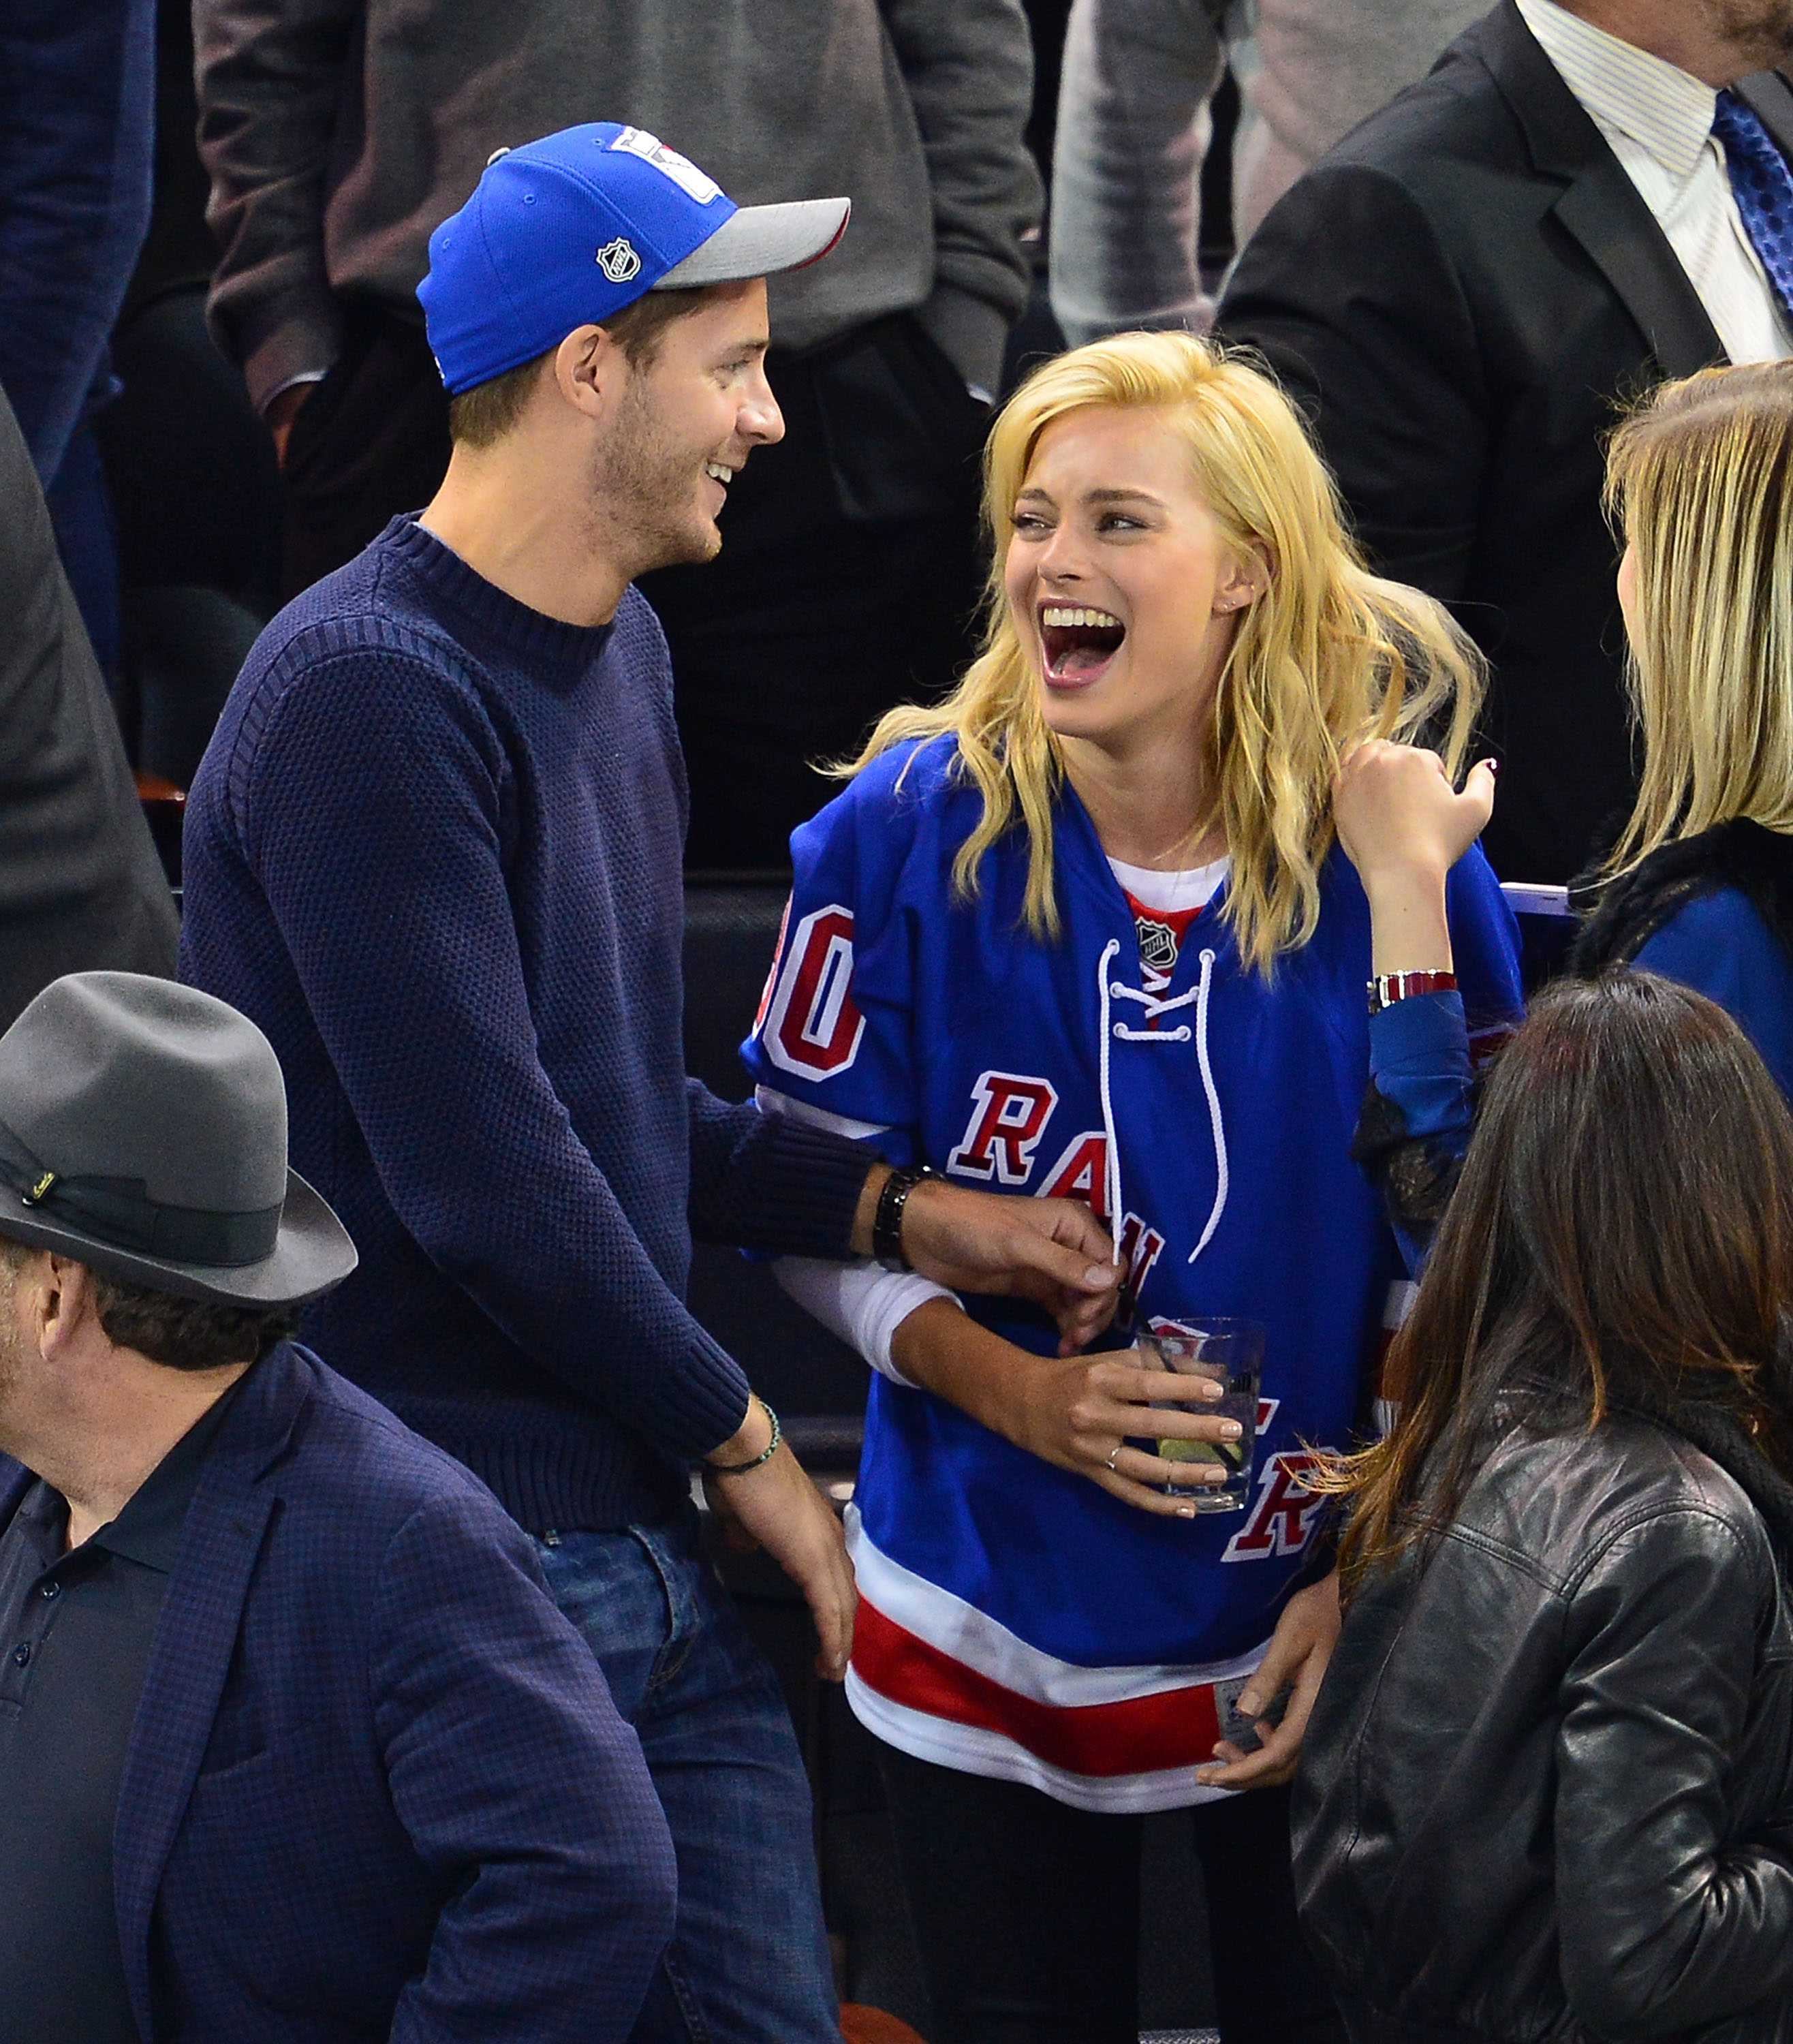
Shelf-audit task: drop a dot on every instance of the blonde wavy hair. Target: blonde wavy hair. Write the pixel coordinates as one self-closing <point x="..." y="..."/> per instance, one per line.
<point x="1328" y="655"/>
<point x="1700" y="479"/>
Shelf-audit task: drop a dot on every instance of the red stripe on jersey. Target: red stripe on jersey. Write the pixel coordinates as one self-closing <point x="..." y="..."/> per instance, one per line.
<point x="1139" y="1735"/>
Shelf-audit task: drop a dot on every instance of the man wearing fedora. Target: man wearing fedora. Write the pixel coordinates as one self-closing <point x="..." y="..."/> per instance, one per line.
<point x="294" y="1746"/>
<point x="434" y="850"/>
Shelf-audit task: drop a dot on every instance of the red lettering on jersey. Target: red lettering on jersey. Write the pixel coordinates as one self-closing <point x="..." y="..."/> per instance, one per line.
<point x="1008" y="1116"/>
<point x="1081" y="1173"/>
<point x="812" y="1025"/>
<point x="1140" y="1248"/>
<point x="1284" y="1516"/>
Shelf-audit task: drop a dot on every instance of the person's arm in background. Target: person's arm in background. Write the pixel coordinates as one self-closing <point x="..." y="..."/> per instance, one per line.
<point x="1403" y="827"/>
<point x="519" y="1785"/>
<point x="1346" y="292"/>
<point x="1126" y="164"/>
<point x="272" y="80"/>
<point x="77" y="133"/>
<point x="968" y="65"/>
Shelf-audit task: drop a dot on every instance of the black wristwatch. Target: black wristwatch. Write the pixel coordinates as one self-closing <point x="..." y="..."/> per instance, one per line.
<point x="887" y="1223"/>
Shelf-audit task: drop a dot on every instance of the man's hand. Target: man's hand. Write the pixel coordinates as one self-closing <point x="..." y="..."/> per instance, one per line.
<point x="1054" y="1252"/>
<point x="1298" y="1651"/>
<point x="776" y="1507"/>
<point x="281" y="411"/>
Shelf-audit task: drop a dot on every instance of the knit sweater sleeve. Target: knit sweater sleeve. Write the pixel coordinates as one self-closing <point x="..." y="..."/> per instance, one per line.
<point x="368" y="805"/>
<point x="769" y="1183"/>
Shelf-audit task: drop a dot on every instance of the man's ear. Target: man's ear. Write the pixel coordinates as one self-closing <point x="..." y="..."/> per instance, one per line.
<point x="64" y="1301"/>
<point x="587" y="368"/>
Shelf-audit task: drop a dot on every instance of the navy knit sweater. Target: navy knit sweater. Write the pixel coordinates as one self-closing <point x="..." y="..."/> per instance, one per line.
<point x="434" y="850"/>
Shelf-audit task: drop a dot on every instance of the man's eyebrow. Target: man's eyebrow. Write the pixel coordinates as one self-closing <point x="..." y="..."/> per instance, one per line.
<point x="742" y="348"/>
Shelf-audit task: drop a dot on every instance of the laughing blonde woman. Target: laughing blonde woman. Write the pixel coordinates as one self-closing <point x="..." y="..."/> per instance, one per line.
<point x="1083" y="930"/>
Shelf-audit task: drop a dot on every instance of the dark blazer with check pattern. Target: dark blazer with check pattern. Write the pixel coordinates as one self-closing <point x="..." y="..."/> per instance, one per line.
<point x="376" y="1787"/>
<point x="1463" y="295"/>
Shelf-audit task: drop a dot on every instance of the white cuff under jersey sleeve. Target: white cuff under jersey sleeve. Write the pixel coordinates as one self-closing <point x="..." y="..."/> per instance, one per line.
<point x="861" y="1303"/>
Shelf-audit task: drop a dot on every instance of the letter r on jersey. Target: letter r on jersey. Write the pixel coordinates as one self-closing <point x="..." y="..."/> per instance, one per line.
<point x="811" y="1024"/>
<point x="1284" y="1516"/>
<point x="1008" y="1116"/>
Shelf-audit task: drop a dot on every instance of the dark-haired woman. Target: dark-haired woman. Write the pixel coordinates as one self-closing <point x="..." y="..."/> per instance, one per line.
<point x="1547" y="1791"/>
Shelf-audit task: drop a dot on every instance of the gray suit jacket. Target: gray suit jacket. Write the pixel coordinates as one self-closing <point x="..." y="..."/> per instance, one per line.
<point x="81" y="888"/>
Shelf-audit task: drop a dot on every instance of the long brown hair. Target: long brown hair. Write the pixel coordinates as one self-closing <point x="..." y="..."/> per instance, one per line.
<point x="1620" y="1239"/>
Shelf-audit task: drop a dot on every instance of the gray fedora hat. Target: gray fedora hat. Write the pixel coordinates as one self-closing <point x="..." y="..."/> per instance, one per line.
<point x="143" y="1132"/>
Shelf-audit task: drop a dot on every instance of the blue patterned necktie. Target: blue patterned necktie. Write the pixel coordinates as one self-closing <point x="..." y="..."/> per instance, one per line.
<point x="1764" y="186"/>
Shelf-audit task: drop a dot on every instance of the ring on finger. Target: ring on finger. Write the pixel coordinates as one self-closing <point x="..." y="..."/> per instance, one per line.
<point x="1114" y="1456"/>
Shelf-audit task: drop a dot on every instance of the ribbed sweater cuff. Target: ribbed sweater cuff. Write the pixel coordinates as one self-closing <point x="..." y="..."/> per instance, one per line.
<point x="806" y="1184"/>
<point x="690" y="1409"/>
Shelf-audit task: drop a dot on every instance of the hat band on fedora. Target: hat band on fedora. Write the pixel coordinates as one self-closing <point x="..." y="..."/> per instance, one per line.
<point x="119" y="1213"/>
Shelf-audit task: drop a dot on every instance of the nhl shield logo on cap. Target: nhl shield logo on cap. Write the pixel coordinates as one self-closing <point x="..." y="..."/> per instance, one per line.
<point x="618" y="260"/>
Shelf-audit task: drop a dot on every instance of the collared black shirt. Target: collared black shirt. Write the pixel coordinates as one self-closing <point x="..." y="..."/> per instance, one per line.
<point x="76" y="1631"/>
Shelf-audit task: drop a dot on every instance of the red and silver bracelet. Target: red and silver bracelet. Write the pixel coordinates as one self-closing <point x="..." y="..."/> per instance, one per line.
<point x="1387" y="988"/>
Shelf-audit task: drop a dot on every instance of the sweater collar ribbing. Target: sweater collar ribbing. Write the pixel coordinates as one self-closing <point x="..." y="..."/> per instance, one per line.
<point x="530" y="635"/>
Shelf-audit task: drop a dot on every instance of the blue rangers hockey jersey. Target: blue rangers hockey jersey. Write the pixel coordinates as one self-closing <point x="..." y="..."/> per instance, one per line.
<point x="1016" y="1620"/>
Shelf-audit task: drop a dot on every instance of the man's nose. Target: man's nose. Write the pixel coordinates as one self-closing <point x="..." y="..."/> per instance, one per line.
<point x="761" y="420"/>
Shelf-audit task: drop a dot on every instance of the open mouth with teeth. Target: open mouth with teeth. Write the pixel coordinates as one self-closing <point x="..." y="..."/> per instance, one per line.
<point x="1077" y="642"/>
<point x="716" y="473"/>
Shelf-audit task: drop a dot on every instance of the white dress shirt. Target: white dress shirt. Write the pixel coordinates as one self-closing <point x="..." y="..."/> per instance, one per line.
<point x="1658" y="120"/>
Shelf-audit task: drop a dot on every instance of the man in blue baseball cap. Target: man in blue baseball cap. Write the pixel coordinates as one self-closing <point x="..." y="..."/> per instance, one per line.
<point x="435" y="851"/>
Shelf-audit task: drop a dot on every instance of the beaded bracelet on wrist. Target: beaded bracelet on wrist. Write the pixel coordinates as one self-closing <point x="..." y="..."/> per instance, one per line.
<point x="764" y="1455"/>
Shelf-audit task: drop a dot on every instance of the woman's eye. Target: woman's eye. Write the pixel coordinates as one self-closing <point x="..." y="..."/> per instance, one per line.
<point x="1118" y="521"/>
<point x="1031" y="523"/>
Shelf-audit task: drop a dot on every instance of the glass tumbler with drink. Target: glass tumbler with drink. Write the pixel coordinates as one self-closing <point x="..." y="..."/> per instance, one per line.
<point x="1229" y="1353"/>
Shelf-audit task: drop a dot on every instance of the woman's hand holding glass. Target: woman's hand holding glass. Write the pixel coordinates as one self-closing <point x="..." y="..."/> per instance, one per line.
<point x="1079" y="1412"/>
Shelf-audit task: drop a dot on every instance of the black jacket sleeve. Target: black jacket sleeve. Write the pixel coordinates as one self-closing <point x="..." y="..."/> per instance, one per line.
<point x="1348" y="294"/>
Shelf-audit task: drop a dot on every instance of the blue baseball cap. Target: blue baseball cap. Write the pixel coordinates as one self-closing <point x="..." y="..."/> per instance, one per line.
<point x="564" y="231"/>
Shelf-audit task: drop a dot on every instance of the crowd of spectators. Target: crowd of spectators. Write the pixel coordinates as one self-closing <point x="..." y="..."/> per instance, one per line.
<point x="1134" y="593"/>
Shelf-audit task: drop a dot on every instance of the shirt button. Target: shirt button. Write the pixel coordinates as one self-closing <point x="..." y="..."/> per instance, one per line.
<point x="51" y="1590"/>
<point x="21" y="1654"/>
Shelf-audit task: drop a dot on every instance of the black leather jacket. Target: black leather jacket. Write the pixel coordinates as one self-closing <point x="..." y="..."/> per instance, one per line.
<point x="1547" y="1790"/>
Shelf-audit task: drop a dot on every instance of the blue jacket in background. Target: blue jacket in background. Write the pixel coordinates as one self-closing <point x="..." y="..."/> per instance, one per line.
<point x="376" y="1787"/>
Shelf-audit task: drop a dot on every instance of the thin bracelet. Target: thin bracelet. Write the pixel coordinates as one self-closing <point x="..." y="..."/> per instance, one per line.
<point x="764" y="1455"/>
<point x="1387" y="988"/>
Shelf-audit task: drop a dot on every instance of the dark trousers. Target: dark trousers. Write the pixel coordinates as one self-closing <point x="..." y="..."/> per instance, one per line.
<point x="850" y="573"/>
<point x="1026" y="1912"/>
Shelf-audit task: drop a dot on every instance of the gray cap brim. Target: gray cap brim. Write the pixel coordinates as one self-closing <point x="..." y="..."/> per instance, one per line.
<point x="312" y="1255"/>
<point x="761" y="241"/>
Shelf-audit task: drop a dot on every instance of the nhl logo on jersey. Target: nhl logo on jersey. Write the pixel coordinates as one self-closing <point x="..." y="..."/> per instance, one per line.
<point x="1157" y="944"/>
<point x="618" y="260"/>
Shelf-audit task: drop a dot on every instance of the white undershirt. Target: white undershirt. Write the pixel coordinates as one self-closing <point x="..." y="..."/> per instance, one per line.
<point x="1170" y="893"/>
<point x="1658" y="120"/>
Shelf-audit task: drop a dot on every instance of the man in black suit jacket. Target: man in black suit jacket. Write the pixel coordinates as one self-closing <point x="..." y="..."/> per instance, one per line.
<point x="80" y="887"/>
<point x="1463" y="295"/>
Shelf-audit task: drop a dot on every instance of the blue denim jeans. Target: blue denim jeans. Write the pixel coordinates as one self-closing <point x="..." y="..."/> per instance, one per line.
<point x="749" y="1959"/>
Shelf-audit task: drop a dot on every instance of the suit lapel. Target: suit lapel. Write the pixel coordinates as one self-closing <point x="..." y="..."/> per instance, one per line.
<point x="190" y="1657"/>
<point x="1600" y="208"/>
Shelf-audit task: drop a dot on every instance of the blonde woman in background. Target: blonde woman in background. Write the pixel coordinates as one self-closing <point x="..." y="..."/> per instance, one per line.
<point x="1699" y="887"/>
<point x="1083" y="930"/>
